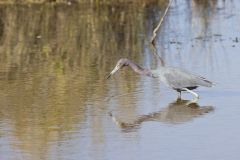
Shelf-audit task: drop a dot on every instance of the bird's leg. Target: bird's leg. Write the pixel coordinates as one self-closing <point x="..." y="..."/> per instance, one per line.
<point x="195" y="94"/>
<point x="192" y="101"/>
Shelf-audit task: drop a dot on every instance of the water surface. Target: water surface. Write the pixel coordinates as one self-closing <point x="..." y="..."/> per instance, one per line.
<point x="55" y="101"/>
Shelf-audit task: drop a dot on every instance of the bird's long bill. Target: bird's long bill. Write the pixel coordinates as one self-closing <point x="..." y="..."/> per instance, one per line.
<point x="113" y="71"/>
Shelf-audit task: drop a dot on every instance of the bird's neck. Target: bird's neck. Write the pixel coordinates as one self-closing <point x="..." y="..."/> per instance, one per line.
<point x="138" y="69"/>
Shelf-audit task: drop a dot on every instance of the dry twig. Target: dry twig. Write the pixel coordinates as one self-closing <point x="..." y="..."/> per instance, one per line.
<point x="159" y="24"/>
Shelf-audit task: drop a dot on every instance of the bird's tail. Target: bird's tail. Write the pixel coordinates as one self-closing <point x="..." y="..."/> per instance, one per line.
<point x="206" y="83"/>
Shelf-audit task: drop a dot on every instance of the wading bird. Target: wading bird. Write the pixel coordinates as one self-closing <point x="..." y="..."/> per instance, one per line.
<point x="174" y="78"/>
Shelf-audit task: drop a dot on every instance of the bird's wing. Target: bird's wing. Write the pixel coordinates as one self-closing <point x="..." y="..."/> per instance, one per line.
<point x="177" y="78"/>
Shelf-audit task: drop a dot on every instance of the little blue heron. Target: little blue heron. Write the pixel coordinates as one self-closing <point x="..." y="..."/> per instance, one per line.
<point x="174" y="78"/>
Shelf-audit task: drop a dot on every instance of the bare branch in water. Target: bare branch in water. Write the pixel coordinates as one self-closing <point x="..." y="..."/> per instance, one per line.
<point x="155" y="33"/>
<point x="159" y="24"/>
<point x="157" y="55"/>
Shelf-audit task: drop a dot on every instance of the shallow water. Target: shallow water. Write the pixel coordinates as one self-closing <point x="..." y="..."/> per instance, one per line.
<point x="55" y="101"/>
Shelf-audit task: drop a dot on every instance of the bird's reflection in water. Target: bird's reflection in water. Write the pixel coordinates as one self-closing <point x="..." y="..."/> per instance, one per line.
<point x="177" y="112"/>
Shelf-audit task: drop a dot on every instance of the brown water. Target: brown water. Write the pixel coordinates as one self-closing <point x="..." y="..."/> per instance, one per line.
<point x="55" y="102"/>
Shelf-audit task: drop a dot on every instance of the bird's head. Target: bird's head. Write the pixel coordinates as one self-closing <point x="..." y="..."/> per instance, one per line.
<point x="120" y="64"/>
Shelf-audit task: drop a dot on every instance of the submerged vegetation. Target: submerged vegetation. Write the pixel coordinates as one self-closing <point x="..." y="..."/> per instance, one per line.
<point x="65" y="35"/>
<point x="49" y="54"/>
<point x="69" y="2"/>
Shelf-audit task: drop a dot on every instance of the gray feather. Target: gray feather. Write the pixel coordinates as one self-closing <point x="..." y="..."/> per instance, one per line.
<point x="177" y="78"/>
